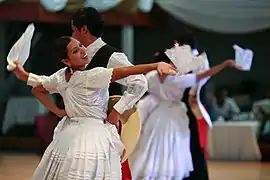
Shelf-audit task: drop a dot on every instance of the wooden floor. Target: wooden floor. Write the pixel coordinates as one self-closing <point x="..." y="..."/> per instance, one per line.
<point x="21" y="167"/>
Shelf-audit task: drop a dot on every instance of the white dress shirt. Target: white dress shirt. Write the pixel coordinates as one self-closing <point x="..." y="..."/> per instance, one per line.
<point x="136" y="84"/>
<point x="228" y="108"/>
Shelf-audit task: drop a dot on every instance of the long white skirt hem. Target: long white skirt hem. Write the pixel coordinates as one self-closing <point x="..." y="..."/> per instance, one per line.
<point x="82" y="150"/>
<point x="163" y="151"/>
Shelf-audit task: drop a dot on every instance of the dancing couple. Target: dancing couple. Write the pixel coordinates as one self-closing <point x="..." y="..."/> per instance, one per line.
<point x="85" y="147"/>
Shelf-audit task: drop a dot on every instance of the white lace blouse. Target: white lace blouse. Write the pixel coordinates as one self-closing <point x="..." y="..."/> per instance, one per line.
<point x="85" y="94"/>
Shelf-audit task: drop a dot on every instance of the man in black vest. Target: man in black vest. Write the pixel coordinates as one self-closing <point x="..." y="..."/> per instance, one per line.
<point x="87" y="25"/>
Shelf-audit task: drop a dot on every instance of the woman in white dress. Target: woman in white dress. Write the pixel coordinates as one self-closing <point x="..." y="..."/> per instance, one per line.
<point x="86" y="148"/>
<point x="163" y="150"/>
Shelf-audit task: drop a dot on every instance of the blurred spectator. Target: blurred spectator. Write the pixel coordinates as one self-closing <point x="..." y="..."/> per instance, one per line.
<point x="224" y="106"/>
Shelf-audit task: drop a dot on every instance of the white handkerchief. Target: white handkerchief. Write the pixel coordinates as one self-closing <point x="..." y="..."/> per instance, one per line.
<point x="183" y="59"/>
<point x="21" y="49"/>
<point x="243" y="57"/>
<point x="195" y="52"/>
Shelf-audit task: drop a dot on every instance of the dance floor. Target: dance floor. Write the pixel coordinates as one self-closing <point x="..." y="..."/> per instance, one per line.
<point x="21" y="167"/>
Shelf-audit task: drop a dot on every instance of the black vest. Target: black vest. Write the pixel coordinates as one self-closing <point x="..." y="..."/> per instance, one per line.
<point x="101" y="59"/>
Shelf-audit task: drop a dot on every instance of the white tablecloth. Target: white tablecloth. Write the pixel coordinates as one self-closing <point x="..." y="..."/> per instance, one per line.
<point x="21" y="111"/>
<point x="234" y="141"/>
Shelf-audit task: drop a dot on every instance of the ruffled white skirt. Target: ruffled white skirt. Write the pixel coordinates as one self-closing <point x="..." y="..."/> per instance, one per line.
<point x="82" y="149"/>
<point x="163" y="151"/>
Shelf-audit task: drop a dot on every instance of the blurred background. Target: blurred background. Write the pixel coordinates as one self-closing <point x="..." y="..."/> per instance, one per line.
<point x="239" y="102"/>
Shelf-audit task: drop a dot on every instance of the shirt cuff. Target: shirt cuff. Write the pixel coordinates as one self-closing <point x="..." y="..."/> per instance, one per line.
<point x="33" y="80"/>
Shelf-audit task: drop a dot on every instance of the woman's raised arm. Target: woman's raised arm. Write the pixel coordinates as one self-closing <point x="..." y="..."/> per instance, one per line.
<point x="161" y="67"/>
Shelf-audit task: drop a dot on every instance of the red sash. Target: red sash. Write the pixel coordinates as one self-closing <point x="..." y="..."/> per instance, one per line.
<point x="126" y="174"/>
<point x="203" y="134"/>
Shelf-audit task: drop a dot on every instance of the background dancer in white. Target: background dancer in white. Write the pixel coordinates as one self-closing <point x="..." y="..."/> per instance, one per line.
<point x="163" y="151"/>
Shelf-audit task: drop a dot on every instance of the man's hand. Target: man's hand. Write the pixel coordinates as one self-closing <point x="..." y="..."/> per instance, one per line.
<point x="19" y="72"/>
<point x="165" y="69"/>
<point x="114" y="117"/>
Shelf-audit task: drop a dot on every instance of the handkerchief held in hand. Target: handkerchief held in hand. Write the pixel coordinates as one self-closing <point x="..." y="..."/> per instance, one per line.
<point x="21" y="49"/>
<point x="243" y="57"/>
<point x="183" y="59"/>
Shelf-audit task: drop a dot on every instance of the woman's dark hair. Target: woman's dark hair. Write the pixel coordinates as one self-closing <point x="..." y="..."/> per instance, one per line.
<point x="187" y="38"/>
<point x="161" y="56"/>
<point x="91" y="18"/>
<point x="60" y="47"/>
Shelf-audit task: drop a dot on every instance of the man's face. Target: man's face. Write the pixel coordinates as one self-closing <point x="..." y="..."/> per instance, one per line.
<point x="76" y="33"/>
<point x="81" y="34"/>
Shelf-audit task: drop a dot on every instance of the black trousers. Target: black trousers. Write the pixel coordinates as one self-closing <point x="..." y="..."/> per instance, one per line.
<point x="199" y="162"/>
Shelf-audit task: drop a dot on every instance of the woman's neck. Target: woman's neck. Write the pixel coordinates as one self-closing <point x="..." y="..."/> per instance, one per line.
<point x="89" y="40"/>
<point x="71" y="70"/>
<point x="78" y="68"/>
